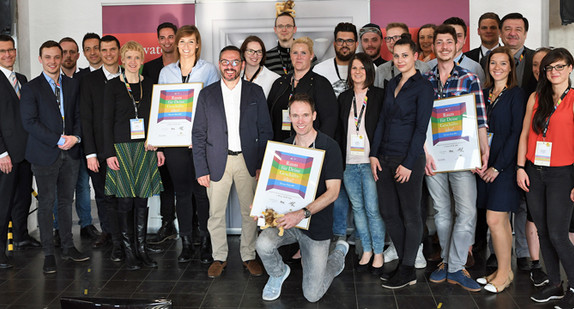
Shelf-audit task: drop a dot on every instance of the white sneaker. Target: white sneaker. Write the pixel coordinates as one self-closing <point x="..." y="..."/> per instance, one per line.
<point x="390" y="254"/>
<point x="420" y="261"/>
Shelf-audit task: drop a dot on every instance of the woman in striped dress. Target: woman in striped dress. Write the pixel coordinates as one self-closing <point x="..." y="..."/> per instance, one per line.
<point x="132" y="174"/>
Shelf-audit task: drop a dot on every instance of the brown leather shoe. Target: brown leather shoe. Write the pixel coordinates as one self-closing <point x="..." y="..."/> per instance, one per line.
<point x="255" y="268"/>
<point x="216" y="269"/>
<point x="469" y="260"/>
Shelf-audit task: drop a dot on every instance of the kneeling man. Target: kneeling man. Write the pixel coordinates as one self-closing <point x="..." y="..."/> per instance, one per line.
<point x="319" y="267"/>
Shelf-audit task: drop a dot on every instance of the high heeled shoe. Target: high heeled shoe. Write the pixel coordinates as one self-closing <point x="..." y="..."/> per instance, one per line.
<point x="490" y="287"/>
<point x="486" y="279"/>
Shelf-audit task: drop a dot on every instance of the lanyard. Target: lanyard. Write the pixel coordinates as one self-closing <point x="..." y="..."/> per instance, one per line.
<point x="519" y="60"/>
<point x="282" y="62"/>
<point x="337" y="69"/>
<point x="492" y="104"/>
<point x="254" y="75"/>
<point x="57" y="92"/>
<point x="129" y="88"/>
<point x="392" y="69"/>
<point x="547" y="123"/>
<point x="459" y="60"/>
<point x="359" y="118"/>
<point x="292" y="86"/>
<point x="185" y="79"/>
<point x="439" y="82"/>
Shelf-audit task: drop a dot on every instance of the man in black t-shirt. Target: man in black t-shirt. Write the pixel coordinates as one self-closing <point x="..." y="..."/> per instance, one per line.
<point x="319" y="267"/>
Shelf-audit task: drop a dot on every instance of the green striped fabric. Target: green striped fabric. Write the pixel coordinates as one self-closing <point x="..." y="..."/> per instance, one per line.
<point x="138" y="175"/>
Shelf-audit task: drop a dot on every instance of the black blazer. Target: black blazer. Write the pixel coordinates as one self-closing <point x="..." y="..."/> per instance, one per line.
<point x="43" y="121"/>
<point x="209" y="134"/>
<point x="527" y="77"/>
<point x="152" y="68"/>
<point x="92" y="112"/>
<point x="13" y="137"/>
<point x="473" y="54"/>
<point x="375" y="97"/>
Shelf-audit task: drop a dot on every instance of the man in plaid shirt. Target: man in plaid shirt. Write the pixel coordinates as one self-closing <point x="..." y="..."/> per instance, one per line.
<point x="450" y="80"/>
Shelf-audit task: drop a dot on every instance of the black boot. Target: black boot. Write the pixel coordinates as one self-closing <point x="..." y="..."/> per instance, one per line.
<point x="141" y="234"/>
<point x="166" y="231"/>
<point x="127" y="238"/>
<point x="117" y="252"/>
<point x="186" y="249"/>
<point x="205" y="250"/>
<point x="404" y="276"/>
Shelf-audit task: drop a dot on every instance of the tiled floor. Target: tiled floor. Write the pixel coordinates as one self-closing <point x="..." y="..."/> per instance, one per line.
<point x="187" y="285"/>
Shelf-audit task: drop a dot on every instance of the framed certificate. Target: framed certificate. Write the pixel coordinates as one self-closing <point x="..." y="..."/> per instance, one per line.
<point x="172" y="113"/>
<point x="288" y="180"/>
<point x="452" y="134"/>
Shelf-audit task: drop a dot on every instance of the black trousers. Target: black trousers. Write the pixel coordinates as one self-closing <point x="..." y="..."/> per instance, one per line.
<point x="179" y="162"/>
<point x="400" y="206"/>
<point x="15" y="200"/>
<point x="167" y="196"/>
<point x="106" y="204"/>
<point x="551" y="208"/>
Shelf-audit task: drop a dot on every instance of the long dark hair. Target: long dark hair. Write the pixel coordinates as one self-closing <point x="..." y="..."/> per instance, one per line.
<point x="369" y="70"/>
<point x="544" y="90"/>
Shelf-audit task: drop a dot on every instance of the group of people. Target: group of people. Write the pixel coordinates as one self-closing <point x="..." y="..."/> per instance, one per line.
<point x="370" y="116"/>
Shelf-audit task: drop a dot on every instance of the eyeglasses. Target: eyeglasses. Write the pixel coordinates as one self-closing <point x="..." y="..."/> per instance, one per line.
<point x="233" y="63"/>
<point x="558" y="67"/>
<point x="250" y="52"/>
<point x="340" y="42"/>
<point x="281" y="27"/>
<point x="395" y="38"/>
<point x="10" y="50"/>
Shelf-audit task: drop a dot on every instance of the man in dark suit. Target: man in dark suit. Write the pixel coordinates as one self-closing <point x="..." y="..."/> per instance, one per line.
<point x="166" y="40"/>
<point x="92" y="114"/>
<point x="15" y="173"/>
<point x="489" y="32"/>
<point x="51" y="116"/>
<point x="513" y="31"/>
<point x="83" y="196"/>
<point x="230" y="132"/>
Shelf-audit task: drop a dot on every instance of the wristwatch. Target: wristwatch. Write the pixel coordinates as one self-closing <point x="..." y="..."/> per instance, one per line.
<point x="307" y="212"/>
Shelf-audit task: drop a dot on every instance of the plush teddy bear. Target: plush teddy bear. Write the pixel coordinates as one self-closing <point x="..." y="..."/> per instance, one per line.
<point x="271" y="220"/>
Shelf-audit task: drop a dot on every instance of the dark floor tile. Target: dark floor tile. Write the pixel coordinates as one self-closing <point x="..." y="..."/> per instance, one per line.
<point x="366" y="289"/>
<point x="227" y="286"/>
<point x="187" y="299"/>
<point x="416" y="302"/>
<point x="455" y="302"/>
<point x="418" y="289"/>
<point x="18" y="285"/>
<point x="155" y="288"/>
<point x="447" y="289"/>
<point x="36" y="298"/>
<point x="338" y="301"/>
<point x="9" y="297"/>
<point x="118" y="286"/>
<point x="495" y="301"/>
<point x="131" y="275"/>
<point x="194" y="274"/>
<point x="183" y="287"/>
<point x="377" y="302"/>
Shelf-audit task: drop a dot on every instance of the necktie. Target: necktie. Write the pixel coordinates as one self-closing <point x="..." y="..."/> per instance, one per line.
<point x="15" y="83"/>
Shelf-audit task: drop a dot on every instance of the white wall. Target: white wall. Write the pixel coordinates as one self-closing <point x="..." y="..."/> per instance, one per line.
<point x="536" y="11"/>
<point x="560" y="36"/>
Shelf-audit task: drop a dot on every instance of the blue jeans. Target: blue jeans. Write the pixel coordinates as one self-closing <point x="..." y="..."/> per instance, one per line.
<point x="319" y="267"/>
<point x="454" y="240"/>
<point x="362" y="192"/>
<point x="83" y="199"/>
<point x="340" y="211"/>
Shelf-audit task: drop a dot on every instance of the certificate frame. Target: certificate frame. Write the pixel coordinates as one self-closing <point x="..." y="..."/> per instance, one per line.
<point x="452" y="134"/>
<point x="288" y="180"/>
<point x="172" y="113"/>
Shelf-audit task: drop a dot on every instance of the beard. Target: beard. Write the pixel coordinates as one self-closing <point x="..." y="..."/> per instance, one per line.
<point x="344" y="57"/>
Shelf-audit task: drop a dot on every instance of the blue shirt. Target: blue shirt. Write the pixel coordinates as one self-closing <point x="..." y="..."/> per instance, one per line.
<point x="203" y="72"/>
<point x="53" y="85"/>
<point x="401" y="129"/>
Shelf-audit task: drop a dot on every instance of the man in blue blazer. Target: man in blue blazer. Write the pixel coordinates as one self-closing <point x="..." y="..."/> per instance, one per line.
<point x="230" y="132"/>
<point x="51" y="116"/>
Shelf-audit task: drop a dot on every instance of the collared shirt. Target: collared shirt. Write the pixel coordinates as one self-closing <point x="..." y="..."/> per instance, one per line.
<point x="519" y="65"/>
<point x="92" y="69"/>
<point x="232" y="103"/>
<point x="110" y="75"/>
<point x="460" y="82"/>
<point x="385" y="72"/>
<point x="466" y="63"/>
<point x="53" y="86"/>
<point x="485" y="50"/>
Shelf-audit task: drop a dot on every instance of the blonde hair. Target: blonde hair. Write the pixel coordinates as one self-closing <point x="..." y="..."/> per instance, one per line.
<point x="304" y="40"/>
<point x="132" y="46"/>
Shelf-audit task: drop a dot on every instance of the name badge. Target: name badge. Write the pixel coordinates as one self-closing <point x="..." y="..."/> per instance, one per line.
<point x="357" y="145"/>
<point x="542" y="155"/>
<point x="286" y="121"/>
<point x="137" y="128"/>
<point x="489" y="135"/>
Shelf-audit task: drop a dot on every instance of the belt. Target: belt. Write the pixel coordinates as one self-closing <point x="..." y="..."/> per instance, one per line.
<point x="233" y="153"/>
